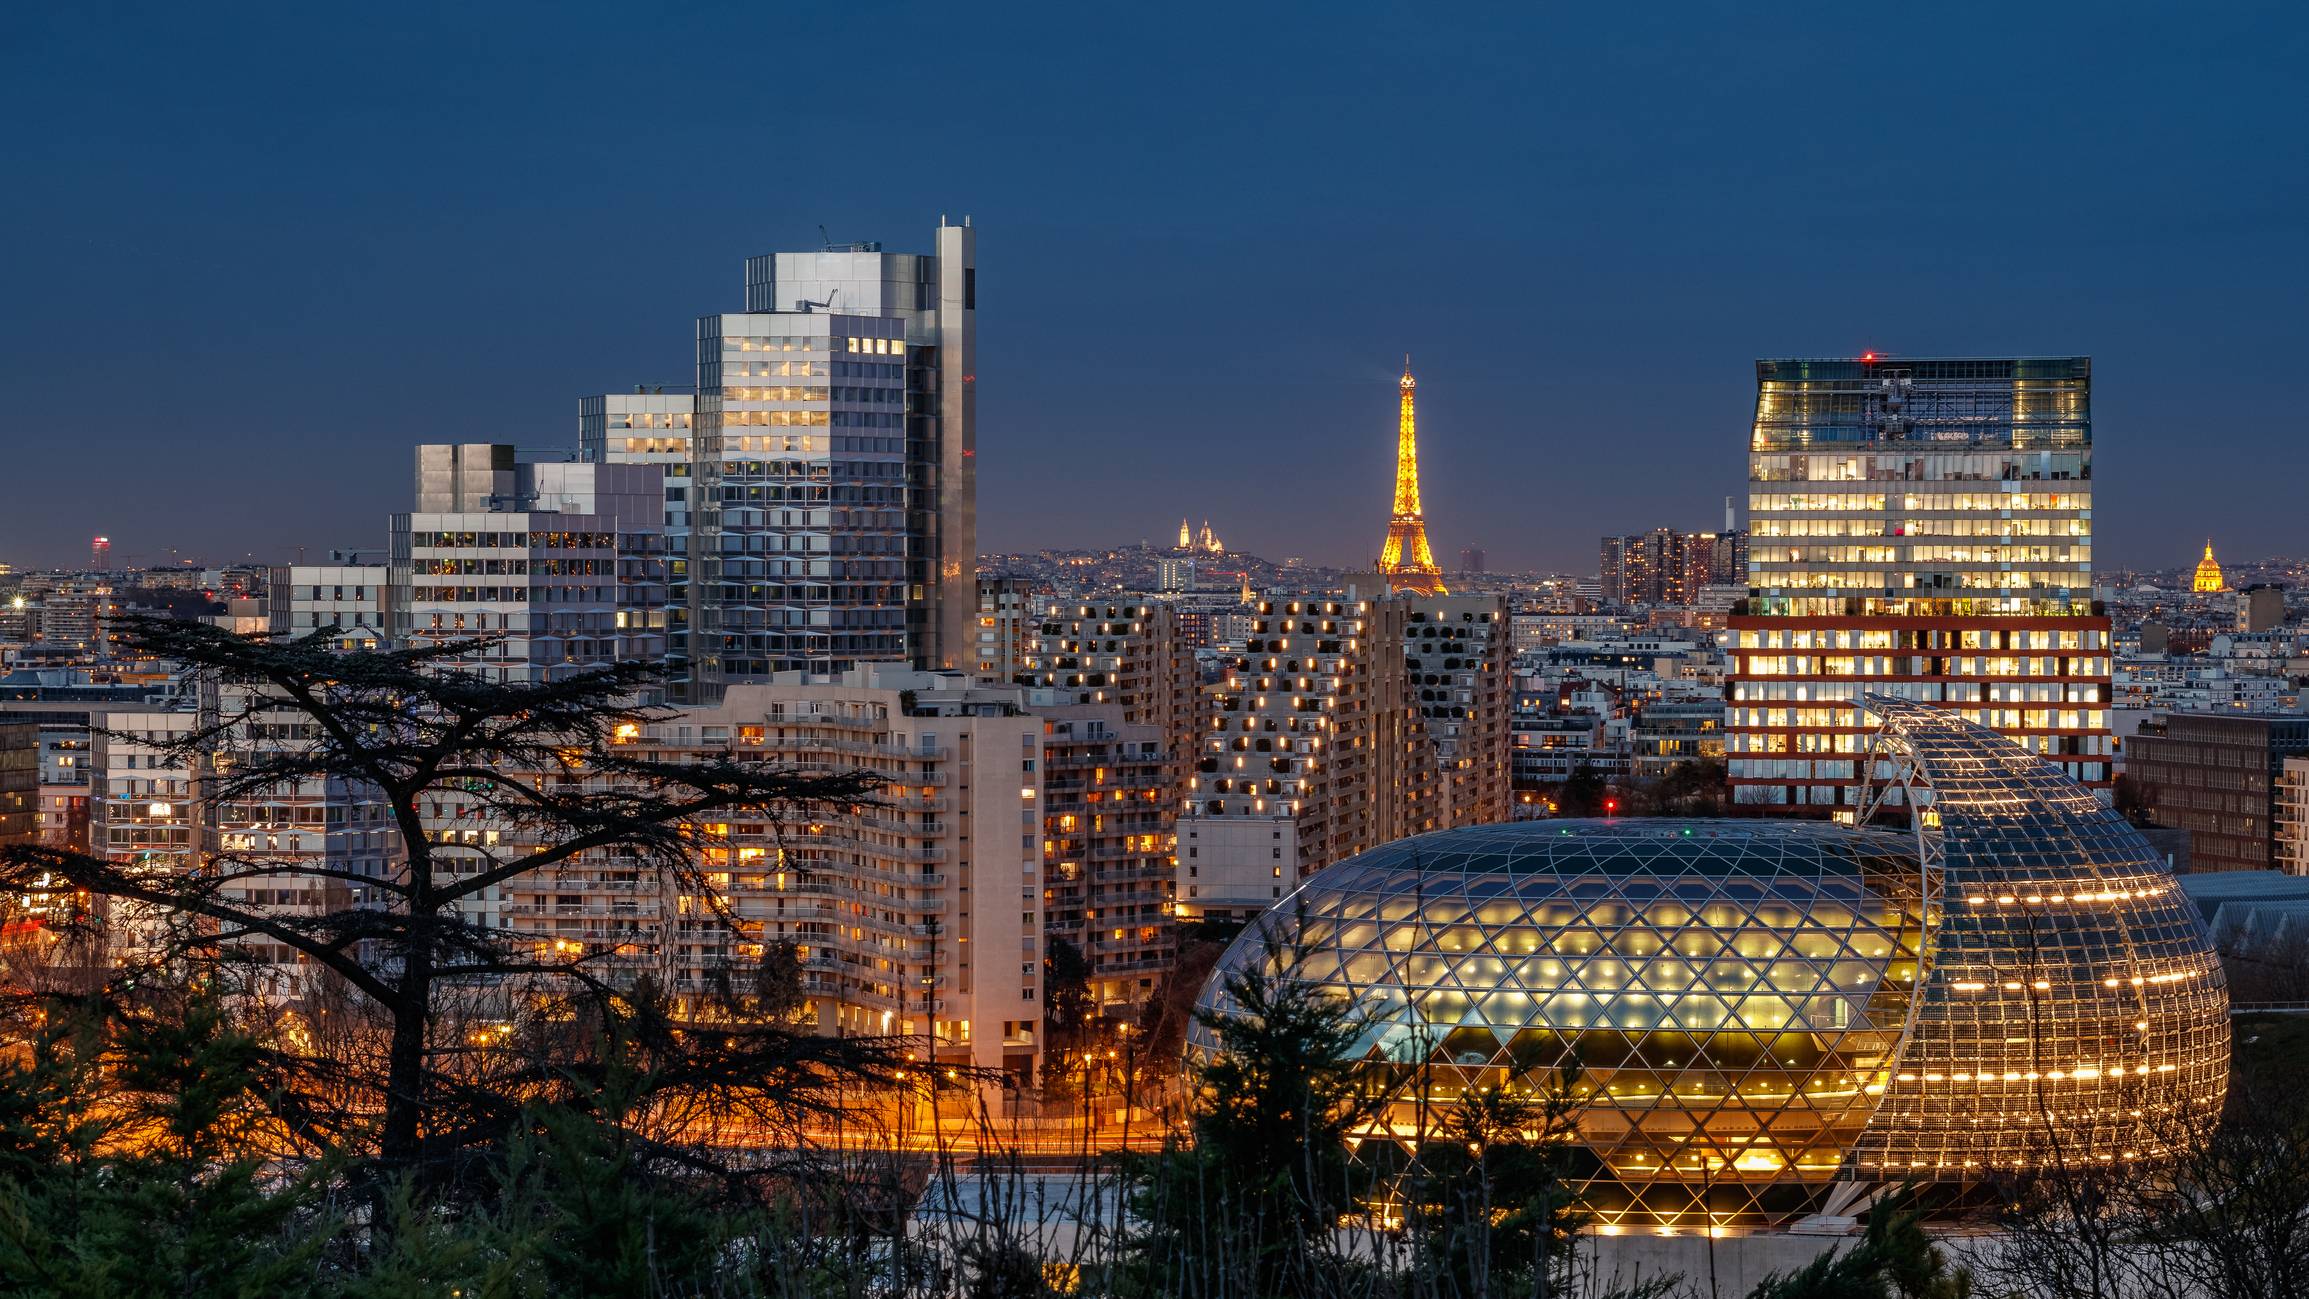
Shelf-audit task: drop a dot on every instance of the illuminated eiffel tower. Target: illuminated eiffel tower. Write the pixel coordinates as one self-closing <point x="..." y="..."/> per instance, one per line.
<point x="1406" y="561"/>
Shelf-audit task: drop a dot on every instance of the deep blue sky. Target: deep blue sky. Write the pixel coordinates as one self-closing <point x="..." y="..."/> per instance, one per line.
<point x="254" y="254"/>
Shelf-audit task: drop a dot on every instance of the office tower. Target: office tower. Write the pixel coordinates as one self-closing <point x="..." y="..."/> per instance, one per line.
<point x="562" y="563"/>
<point x="1002" y="627"/>
<point x="1405" y="559"/>
<point x="100" y="554"/>
<point x="653" y="428"/>
<point x="1921" y="528"/>
<point x="1114" y="685"/>
<point x="2216" y="775"/>
<point x="918" y="913"/>
<point x="1473" y="560"/>
<point x="835" y="465"/>
<point x="1456" y="651"/>
<point x="300" y="599"/>
<point x="1312" y="750"/>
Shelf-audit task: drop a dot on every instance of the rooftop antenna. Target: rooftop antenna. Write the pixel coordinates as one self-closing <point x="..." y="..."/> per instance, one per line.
<point x="823" y="237"/>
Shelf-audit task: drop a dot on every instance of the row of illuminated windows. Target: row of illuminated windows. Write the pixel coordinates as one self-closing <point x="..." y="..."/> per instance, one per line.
<point x="1965" y="466"/>
<point x="514" y="540"/>
<point x="2007" y="719"/>
<point x="811" y="419"/>
<point x="1849" y="638"/>
<point x="806" y="343"/>
<point x="2073" y="526"/>
<point x="1773" y="665"/>
<point x="1764" y="503"/>
<point x="1876" y="579"/>
<point x="512" y="594"/>
<point x="513" y="567"/>
<point x="2041" y="605"/>
<point x="798" y="368"/>
<point x="1913" y="554"/>
<point x="1952" y="692"/>
<point x="2085" y="694"/>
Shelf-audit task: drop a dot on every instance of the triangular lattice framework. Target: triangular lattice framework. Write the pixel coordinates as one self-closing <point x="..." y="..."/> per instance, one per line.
<point x="1768" y="1012"/>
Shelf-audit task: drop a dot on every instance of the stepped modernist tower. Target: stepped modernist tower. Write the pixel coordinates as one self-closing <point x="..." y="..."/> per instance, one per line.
<point x="1407" y="562"/>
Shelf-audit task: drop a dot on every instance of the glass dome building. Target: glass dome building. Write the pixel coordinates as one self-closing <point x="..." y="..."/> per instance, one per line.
<point x="1776" y="1019"/>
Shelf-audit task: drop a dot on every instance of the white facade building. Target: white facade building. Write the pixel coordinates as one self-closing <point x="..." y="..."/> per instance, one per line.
<point x="354" y="598"/>
<point x="562" y="563"/>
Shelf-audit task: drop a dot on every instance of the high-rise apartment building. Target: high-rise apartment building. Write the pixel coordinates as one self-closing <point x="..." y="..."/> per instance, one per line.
<point x="1313" y="749"/>
<point x="1462" y="679"/>
<point x="1342" y="724"/>
<point x="1002" y="627"/>
<point x="299" y="849"/>
<point x="653" y="428"/>
<point x="140" y="807"/>
<point x="1920" y="528"/>
<point x="562" y="563"/>
<point x="1664" y="566"/>
<point x="834" y="465"/>
<point x="1114" y="685"/>
<point x="916" y="914"/>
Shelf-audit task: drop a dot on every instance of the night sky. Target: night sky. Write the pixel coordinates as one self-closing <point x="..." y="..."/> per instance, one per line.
<point x="251" y="258"/>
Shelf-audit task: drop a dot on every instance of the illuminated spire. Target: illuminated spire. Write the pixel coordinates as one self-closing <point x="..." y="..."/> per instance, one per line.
<point x="2209" y="577"/>
<point x="1186" y="535"/>
<point x="1406" y="560"/>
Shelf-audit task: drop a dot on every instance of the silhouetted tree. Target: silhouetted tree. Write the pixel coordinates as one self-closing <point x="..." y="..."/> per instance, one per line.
<point x="1893" y="1260"/>
<point x="1246" y="1205"/>
<point x="543" y="762"/>
<point x="1582" y="794"/>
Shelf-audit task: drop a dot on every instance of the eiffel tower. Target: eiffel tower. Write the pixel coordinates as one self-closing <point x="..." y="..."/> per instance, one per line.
<point x="1406" y="561"/>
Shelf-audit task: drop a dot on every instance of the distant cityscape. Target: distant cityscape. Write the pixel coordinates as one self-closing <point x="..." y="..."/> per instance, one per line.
<point x="1170" y="737"/>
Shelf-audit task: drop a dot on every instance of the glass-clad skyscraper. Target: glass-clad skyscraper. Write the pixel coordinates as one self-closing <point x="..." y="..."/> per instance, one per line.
<point x="833" y="465"/>
<point x="1921" y="527"/>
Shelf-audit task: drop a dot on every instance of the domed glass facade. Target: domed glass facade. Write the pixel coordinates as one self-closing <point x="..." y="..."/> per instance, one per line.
<point x="1771" y="1018"/>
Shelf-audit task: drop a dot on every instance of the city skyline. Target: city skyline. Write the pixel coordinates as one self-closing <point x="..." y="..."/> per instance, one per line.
<point x="1586" y="316"/>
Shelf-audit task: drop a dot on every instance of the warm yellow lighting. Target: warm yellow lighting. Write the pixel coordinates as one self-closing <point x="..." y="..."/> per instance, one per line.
<point x="2208" y="580"/>
<point x="1406" y="557"/>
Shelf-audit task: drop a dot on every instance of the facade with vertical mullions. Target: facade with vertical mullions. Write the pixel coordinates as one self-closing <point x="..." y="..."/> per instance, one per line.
<point x="652" y="428"/>
<point x="835" y="519"/>
<point x="1922" y="528"/>
<point x="2216" y="776"/>
<point x="799" y="544"/>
